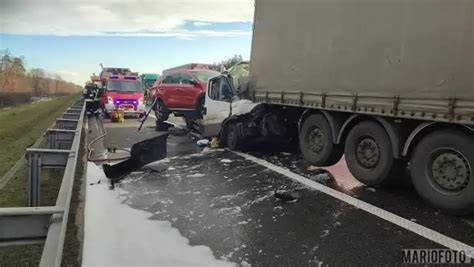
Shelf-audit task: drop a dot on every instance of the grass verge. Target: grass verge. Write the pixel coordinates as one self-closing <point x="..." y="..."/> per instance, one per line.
<point x="22" y="125"/>
<point x="15" y="192"/>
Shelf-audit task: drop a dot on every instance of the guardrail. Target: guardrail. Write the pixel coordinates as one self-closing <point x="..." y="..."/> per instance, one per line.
<point x="38" y="224"/>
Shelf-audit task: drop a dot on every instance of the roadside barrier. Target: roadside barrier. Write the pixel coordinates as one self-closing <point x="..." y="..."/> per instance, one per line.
<point x="47" y="224"/>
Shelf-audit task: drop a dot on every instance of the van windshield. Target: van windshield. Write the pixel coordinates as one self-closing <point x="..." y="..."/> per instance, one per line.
<point x="205" y="75"/>
<point x="124" y="86"/>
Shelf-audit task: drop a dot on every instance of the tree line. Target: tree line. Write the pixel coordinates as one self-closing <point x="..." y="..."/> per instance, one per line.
<point x="227" y="63"/>
<point x="16" y="78"/>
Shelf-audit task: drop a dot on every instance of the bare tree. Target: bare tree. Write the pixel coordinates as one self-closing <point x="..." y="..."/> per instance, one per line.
<point x="58" y="81"/>
<point x="38" y="81"/>
<point x="10" y="67"/>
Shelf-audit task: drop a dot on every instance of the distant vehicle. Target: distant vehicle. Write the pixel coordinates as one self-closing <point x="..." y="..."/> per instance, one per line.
<point x="181" y="92"/>
<point x="389" y="86"/>
<point x="122" y="91"/>
<point x="148" y="80"/>
<point x="189" y="66"/>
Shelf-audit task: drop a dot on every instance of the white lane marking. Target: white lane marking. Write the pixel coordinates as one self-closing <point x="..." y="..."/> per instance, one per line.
<point x="470" y="222"/>
<point x="383" y="214"/>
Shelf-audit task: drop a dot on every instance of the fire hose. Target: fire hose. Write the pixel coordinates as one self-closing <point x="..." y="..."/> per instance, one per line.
<point x="89" y="146"/>
<point x="104" y="133"/>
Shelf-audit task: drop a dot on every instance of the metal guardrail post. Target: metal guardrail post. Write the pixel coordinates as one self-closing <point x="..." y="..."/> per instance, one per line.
<point x="38" y="158"/>
<point x="34" y="166"/>
<point x="60" y="138"/>
<point x="76" y="110"/>
<point x="73" y="116"/>
<point x="68" y="124"/>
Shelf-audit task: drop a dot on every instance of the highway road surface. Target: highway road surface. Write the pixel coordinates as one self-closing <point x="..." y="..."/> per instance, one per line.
<point x="226" y="202"/>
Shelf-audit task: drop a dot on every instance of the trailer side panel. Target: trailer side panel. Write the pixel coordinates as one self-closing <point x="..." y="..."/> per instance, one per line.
<point x="398" y="58"/>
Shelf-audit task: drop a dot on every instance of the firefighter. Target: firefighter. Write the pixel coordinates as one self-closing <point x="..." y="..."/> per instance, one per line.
<point x="89" y="96"/>
<point x="97" y="96"/>
<point x="93" y="95"/>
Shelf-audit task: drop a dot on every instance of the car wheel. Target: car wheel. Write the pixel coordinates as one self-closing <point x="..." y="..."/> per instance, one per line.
<point x="316" y="142"/>
<point x="442" y="170"/>
<point x="369" y="154"/>
<point x="161" y="112"/>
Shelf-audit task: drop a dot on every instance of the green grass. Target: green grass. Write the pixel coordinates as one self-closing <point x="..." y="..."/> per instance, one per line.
<point x="15" y="194"/>
<point x="24" y="125"/>
<point x="21" y="126"/>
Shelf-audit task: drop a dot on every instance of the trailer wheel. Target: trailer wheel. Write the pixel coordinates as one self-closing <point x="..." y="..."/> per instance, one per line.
<point x="368" y="153"/>
<point x="442" y="170"/>
<point x="161" y="112"/>
<point x="233" y="138"/>
<point x="316" y="142"/>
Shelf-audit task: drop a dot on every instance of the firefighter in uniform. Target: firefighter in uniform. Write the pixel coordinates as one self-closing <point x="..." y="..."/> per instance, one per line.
<point x="92" y="95"/>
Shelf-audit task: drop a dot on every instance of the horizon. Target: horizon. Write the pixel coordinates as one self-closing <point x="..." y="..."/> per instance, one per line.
<point x="156" y="40"/>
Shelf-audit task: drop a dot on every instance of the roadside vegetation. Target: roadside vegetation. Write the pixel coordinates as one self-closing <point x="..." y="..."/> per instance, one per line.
<point x="21" y="126"/>
<point x="18" y="84"/>
<point x="15" y="194"/>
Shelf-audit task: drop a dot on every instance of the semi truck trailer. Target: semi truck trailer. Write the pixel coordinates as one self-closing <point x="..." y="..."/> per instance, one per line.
<point x="387" y="83"/>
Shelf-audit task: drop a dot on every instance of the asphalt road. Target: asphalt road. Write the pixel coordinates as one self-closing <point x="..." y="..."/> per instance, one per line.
<point x="220" y="199"/>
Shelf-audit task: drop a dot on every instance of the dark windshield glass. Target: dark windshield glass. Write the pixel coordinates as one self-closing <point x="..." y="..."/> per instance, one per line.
<point x="149" y="83"/>
<point x="122" y="86"/>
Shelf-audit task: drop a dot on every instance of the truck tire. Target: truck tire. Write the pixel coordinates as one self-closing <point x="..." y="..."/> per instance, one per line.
<point x="369" y="156"/>
<point x="161" y="112"/>
<point x="442" y="170"/>
<point x="316" y="143"/>
<point x="233" y="138"/>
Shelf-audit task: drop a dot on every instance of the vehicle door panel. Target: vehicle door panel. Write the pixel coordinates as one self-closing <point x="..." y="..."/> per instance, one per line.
<point x="217" y="106"/>
<point x="188" y="91"/>
<point x="169" y="91"/>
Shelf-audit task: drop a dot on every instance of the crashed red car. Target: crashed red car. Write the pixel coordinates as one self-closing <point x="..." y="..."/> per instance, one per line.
<point x="181" y="92"/>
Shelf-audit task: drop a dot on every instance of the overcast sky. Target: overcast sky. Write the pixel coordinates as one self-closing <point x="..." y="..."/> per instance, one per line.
<point x="73" y="37"/>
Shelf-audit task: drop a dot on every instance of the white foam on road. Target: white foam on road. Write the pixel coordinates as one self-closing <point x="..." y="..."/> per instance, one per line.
<point x="381" y="213"/>
<point x="117" y="235"/>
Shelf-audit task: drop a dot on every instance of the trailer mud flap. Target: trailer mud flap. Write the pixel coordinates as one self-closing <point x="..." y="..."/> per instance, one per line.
<point x="142" y="153"/>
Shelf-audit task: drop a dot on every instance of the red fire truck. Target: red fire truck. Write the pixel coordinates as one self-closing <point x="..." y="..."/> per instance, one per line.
<point x="122" y="90"/>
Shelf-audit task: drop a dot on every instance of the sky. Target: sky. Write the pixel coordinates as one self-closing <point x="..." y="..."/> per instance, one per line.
<point x="72" y="37"/>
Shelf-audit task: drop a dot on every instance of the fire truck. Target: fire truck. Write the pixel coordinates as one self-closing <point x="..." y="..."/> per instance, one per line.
<point x="122" y="90"/>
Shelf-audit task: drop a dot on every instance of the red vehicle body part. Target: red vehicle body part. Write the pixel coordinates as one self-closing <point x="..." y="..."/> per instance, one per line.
<point x="181" y="90"/>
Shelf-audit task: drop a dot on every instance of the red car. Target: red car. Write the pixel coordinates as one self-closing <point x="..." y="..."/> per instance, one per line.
<point x="181" y="92"/>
